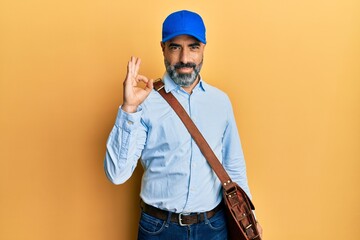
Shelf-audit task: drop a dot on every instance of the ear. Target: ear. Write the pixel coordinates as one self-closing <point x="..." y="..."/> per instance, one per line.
<point x="162" y="46"/>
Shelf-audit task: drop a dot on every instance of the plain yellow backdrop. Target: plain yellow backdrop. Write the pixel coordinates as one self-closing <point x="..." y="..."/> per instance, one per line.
<point x="291" y="69"/>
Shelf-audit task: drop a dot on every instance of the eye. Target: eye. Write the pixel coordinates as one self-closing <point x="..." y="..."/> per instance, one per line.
<point x="195" y="47"/>
<point x="174" y="47"/>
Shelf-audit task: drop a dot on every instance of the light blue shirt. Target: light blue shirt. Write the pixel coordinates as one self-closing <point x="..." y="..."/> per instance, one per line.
<point x="176" y="176"/>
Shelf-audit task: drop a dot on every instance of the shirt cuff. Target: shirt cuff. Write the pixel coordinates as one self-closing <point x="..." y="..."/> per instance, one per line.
<point x="128" y="121"/>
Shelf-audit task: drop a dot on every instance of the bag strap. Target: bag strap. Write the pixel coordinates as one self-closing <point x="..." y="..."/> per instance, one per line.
<point x="196" y="135"/>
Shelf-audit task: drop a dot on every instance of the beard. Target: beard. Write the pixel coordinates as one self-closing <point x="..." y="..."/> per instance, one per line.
<point x="183" y="79"/>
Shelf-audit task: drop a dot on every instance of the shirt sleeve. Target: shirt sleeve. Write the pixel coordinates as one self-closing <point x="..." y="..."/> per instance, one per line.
<point x="124" y="146"/>
<point x="233" y="156"/>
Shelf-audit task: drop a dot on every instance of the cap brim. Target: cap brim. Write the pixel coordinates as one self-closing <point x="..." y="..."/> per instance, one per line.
<point x="171" y="36"/>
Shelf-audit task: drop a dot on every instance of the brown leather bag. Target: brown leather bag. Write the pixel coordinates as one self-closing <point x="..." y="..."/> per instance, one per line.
<point x="241" y="222"/>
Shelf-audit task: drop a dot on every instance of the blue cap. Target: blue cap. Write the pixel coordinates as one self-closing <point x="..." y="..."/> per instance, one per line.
<point x="184" y="23"/>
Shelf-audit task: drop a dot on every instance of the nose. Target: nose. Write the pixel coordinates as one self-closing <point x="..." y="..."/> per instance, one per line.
<point x="184" y="56"/>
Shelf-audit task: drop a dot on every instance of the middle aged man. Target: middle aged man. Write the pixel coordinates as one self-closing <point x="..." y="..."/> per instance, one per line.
<point x="178" y="183"/>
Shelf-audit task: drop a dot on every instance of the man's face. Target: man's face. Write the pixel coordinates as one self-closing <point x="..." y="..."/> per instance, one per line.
<point x="183" y="57"/>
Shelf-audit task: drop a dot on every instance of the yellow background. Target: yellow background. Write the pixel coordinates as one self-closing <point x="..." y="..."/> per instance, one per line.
<point x="291" y="69"/>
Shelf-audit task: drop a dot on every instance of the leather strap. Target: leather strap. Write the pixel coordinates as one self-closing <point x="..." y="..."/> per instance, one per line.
<point x="196" y="135"/>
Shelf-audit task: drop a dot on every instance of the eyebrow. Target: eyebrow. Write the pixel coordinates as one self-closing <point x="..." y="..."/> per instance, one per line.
<point x="195" y="44"/>
<point x="174" y="45"/>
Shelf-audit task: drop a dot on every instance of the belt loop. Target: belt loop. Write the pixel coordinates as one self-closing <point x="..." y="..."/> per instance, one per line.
<point x="199" y="217"/>
<point x="206" y="220"/>
<point x="168" y="220"/>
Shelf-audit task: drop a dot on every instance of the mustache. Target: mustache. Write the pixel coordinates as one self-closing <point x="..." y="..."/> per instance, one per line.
<point x="184" y="65"/>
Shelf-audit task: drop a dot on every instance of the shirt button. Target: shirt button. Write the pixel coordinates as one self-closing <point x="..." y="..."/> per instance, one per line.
<point x="130" y="122"/>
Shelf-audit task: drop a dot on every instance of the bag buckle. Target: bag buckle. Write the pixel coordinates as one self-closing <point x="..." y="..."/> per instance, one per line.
<point x="180" y="219"/>
<point x="158" y="84"/>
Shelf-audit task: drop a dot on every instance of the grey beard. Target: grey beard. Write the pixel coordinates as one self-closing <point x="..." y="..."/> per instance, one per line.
<point x="183" y="79"/>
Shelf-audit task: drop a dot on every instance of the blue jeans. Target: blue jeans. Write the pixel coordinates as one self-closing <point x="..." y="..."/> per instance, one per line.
<point x="151" y="228"/>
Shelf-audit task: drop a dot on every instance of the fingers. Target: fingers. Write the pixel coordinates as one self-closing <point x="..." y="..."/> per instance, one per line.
<point x="133" y="77"/>
<point x="149" y="85"/>
<point x="137" y="66"/>
<point x="142" y="78"/>
<point x="149" y="82"/>
<point x="133" y="67"/>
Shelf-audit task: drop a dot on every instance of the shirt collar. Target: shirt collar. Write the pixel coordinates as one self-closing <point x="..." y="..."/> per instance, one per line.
<point x="170" y="85"/>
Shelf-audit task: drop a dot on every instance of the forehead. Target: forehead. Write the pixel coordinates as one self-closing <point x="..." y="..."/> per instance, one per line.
<point x="183" y="39"/>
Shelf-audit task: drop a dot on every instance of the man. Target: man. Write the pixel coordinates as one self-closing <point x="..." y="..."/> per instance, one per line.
<point x="180" y="194"/>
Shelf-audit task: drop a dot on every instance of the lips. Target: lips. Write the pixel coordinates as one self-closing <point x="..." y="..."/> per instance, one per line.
<point x="185" y="69"/>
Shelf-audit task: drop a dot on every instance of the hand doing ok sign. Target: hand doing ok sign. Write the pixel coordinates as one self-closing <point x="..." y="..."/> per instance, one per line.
<point x="134" y="95"/>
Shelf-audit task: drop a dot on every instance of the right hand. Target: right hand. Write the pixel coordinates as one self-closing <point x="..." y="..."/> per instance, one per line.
<point x="133" y="94"/>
